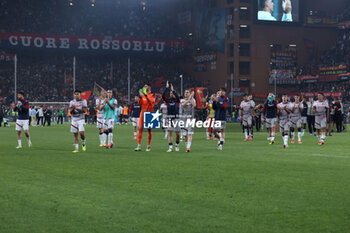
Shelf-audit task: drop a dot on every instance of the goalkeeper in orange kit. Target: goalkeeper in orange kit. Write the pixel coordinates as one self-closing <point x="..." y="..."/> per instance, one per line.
<point x="146" y="101"/>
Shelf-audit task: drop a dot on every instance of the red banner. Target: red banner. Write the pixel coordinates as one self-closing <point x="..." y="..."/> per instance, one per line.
<point x="326" y="94"/>
<point x="6" y="57"/>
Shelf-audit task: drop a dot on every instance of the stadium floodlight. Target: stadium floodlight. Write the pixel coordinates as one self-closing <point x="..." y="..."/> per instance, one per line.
<point x="244" y="8"/>
<point x="292" y="45"/>
<point x="190" y="34"/>
<point x="243" y="26"/>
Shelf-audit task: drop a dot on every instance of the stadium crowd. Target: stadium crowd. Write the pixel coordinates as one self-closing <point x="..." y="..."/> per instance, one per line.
<point x="118" y="19"/>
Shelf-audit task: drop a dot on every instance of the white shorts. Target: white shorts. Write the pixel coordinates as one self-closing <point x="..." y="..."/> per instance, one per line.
<point x="271" y="122"/>
<point x="77" y="126"/>
<point x="108" y="123"/>
<point x="304" y="120"/>
<point x="284" y="125"/>
<point x="295" y="122"/>
<point x="135" y="121"/>
<point x="222" y="125"/>
<point x="22" y="124"/>
<point x="247" y="120"/>
<point x="320" y="122"/>
<point x="99" y="123"/>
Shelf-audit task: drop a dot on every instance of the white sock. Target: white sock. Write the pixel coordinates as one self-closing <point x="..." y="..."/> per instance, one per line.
<point x="19" y="142"/>
<point x="76" y="146"/>
<point x="285" y="140"/>
<point x="188" y="145"/>
<point x="207" y="134"/>
<point x="171" y="146"/>
<point x="272" y="138"/>
<point x="110" y="138"/>
<point x="104" y="138"/>
<point x="83" y="142"/>
<point x="292" y="134"/>
<point x="176" y="145"/>
<point x="299" y="136"/>
<point x="134" y="134"/>
<point x="246" y="133"/>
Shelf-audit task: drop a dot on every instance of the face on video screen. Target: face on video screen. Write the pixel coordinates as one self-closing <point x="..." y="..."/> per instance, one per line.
<point x="278" y="10"/>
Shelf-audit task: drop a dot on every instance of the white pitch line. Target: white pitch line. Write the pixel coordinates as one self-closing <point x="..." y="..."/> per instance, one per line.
<point x="331" y="156"/>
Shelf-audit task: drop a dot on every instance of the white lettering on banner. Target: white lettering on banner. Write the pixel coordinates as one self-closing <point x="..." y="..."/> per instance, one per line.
<point x="86" y="43"/>
<point x="160" y="46"/>
<point x="106" y="44"/>
<point x="82" y="44"/>
<point x="137" y="46"/>
<point x="38" y="42"/>
<point x="13" y="40"/>
<point x="24" y="43"/>
<point x="148" y="49"/>
<point x="50" y="43"/>
<point x="64" y="43"/>
<point x="95" y="44"/>
<point x="115" y="45"/>
<point x="126" y="45"/>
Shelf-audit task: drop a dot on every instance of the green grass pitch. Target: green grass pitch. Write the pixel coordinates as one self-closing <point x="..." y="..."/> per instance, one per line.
<point x="248" y="187"/>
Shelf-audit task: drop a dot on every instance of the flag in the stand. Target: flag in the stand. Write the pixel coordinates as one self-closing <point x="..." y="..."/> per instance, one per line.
<point x="158" y="82"/>
<point x="201" y="94"/>
<point x="69" y="79"/>
<point x="310" y="48"/>
<point x="86" y="95"/>
<point x="97" y="89"/>
<point x="158" y="98"/>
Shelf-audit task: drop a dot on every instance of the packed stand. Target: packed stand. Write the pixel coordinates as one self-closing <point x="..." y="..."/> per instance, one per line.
<point x="106" y="18"/>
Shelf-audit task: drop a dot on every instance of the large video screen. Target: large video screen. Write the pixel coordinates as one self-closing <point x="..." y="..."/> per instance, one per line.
<point x="278" y="11"/>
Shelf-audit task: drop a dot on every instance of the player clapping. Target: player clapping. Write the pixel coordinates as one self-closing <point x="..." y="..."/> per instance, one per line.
<point x="321" y="110"/>
<point x="78" y="108"/>
<point x="283" y="113"/>
<point x="188" y="105"/>
<point x="247" y="108"/>
<point x="22" y="122"/>
<point x="295" y="109"/>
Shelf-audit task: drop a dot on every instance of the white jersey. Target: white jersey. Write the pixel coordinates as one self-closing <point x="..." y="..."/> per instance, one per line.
<point x="284" y="115"/>
<point x="79" y="105"/>
<point x="188" y="109"/>
<point x="247" y="107"/>
<point x="296" y="112"/>
<point x="100" y="112"/>
<point x="321" y="108"/>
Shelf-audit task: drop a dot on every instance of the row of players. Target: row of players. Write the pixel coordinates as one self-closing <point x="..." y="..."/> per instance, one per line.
<point x="291" y="117"/>
<point x="145" y="102"/>
<point x="288" y="113"/>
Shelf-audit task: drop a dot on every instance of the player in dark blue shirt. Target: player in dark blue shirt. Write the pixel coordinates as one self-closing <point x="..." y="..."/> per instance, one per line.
<point x="270" y="112"/>
<point x="22" y="122"/>
<point x="135" y="110"/>
<point x="220" y="105"/>
<point x="172" y="101"/>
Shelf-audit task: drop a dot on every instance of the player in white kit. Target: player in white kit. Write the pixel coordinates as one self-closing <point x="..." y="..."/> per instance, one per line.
<point x="295" y="120"/>
<point x="321" y="109"/>
<point x="78" y="108"/>
<point x="247" y="108"/>
<point x="188" y="105"/>
<point x="283" y="113"/>
<point x="100" y="121"/>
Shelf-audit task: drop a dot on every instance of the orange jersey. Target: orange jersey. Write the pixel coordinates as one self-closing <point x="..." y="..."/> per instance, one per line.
<point x="125" y="111"/>
<point x="147" y="103"/>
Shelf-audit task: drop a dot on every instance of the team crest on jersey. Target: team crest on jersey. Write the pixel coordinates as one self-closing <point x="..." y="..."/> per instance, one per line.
<point x="151" y="120"/>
